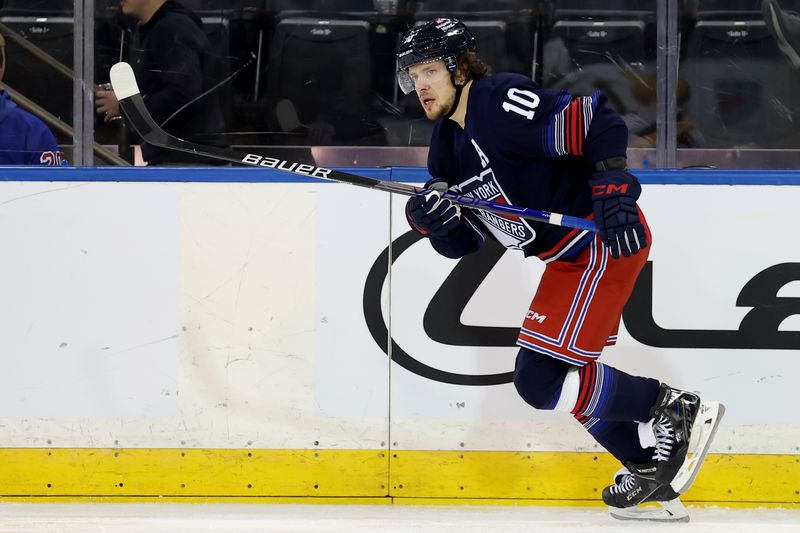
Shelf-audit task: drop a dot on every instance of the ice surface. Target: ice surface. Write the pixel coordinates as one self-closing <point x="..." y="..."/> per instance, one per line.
<point x="245" y="518"/>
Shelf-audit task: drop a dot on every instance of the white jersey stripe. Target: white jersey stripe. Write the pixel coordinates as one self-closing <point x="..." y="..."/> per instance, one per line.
<point x="592" y="290"/>
<point x="566" y="248"/>
<point x="598" y="389"/>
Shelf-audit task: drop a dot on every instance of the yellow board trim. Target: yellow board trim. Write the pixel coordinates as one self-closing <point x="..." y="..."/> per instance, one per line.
<point x="139" y="472"/>
<point x="565" y="476"/>
<point x="367" y="477"/>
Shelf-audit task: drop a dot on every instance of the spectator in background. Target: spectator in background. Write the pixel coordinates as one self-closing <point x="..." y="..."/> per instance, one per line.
<point x="174" y="67"/>
<point x="24" y="138"/>
<point x="785" y="27"/>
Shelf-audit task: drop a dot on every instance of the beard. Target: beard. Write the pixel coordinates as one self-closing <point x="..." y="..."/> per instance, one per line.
<point x="441" y="109"/>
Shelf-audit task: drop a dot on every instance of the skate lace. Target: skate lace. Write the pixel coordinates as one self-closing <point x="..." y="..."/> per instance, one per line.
<point x="625" y="485"/>
<point x="664" y="433"/>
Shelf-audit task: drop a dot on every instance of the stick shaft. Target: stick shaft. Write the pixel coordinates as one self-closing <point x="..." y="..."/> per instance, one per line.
<point x="133" y="106"/>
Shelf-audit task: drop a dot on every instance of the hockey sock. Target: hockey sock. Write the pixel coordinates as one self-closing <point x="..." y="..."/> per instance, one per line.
<point x="594" y="390"/>
<point x="621" y="439"/>
<point x="600" y="391"/>
<point x="609" y="403"/>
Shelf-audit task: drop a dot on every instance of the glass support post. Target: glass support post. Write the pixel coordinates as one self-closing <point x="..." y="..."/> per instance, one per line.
<point x="83" y="84"/>
<point x="667" y="84"/>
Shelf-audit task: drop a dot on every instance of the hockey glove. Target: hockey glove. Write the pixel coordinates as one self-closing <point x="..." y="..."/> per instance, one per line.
<point x="614" y="194"/>
<point x="431" y="215"/>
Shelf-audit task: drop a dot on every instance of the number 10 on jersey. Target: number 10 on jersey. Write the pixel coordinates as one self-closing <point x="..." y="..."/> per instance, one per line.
<point x="527" y="100"/>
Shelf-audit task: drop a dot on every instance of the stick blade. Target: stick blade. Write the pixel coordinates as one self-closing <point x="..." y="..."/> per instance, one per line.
<point x="123" y="81"/>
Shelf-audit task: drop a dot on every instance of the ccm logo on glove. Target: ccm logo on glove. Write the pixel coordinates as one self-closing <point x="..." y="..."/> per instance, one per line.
<point x="611" y="188"/>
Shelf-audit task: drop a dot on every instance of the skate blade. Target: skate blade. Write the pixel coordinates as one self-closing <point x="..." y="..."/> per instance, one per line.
<point x="703" y="431"/>
<point x="671" y="511"/>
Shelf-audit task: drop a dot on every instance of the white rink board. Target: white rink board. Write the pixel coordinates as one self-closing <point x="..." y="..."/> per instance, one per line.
<point x="227" y="274"/>
<point x="232" y="315"/>
<point x="90" y="304"/>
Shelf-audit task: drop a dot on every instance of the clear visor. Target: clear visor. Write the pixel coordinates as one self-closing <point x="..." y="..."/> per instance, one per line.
<point x="422" y="74"/>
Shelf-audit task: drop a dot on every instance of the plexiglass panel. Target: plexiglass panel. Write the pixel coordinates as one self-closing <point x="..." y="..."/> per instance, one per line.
<point x="610" y="46"/>
<point x="737" y="88"/>
<point x="299" y="73"/>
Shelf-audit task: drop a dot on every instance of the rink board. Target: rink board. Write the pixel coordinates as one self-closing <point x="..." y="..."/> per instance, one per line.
<point x="227" y="337"/>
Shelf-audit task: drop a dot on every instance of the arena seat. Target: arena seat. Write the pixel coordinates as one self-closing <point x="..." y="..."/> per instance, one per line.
<point x="741" y="90"/>
<point x="612" y="35"/>
<point x="608" y="46"/>
<point x="318" y="87"/>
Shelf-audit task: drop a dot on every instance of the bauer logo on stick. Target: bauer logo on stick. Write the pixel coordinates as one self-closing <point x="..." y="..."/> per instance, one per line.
<point x="282" y="164"/>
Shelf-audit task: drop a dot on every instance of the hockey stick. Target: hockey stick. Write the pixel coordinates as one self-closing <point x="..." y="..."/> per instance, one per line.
<point x="127" y="92"/>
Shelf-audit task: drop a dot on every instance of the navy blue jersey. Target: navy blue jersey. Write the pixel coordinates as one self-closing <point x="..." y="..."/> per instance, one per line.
<point x="529" y="147"/>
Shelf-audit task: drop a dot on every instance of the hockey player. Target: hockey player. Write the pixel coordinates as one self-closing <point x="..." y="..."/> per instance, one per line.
<point x="502" y="138"/>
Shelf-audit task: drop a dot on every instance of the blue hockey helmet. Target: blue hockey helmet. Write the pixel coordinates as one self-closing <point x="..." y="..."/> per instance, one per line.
<point x="442" y="38"/>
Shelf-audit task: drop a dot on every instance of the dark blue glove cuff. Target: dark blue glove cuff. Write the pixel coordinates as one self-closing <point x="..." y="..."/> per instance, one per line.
<point x="615" y="182"/>
<point x="464" y="240"/>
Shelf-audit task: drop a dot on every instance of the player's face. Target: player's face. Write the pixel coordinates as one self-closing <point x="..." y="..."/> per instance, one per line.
<point x="434" y="88"/>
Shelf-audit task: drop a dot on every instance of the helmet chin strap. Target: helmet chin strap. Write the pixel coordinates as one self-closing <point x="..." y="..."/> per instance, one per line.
<point x="459" y="88"/>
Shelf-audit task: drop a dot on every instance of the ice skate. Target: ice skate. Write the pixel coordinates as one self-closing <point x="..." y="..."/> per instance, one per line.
<point x="684" y="428"/>
<point x="661" y="503"/>
<point x="674" y="414"/>
<point x="703" y="431"/>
